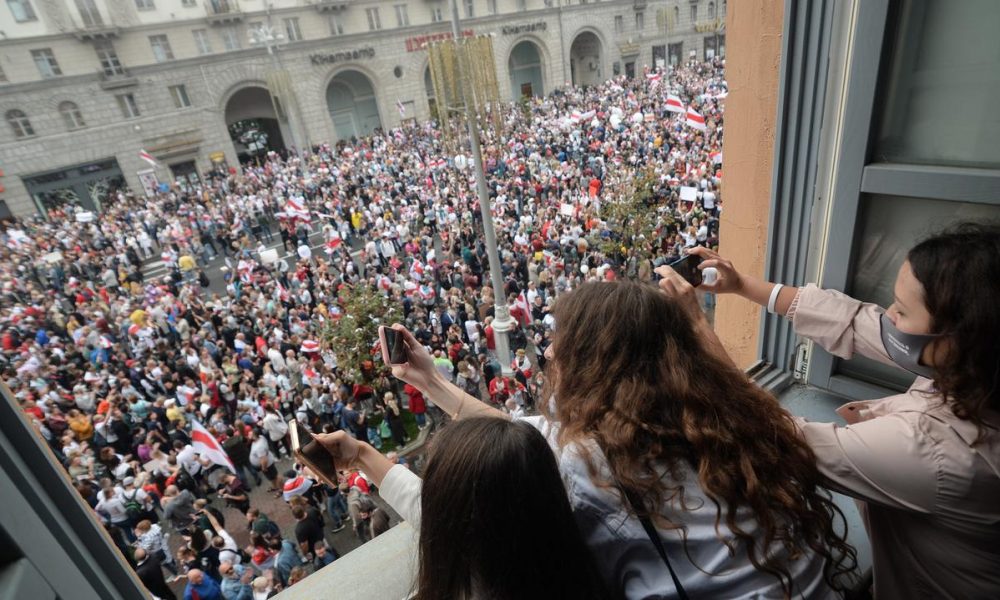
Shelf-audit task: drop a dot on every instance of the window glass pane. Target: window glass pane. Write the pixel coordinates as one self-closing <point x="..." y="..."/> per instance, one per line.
<point x="890" y="226"/>
<point x="940" y="99"/>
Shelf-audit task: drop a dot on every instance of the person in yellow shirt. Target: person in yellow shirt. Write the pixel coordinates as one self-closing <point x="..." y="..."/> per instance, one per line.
<point x="81" y="425"/>
<point x="174" y="412"/>
<point x="186" y="263"/>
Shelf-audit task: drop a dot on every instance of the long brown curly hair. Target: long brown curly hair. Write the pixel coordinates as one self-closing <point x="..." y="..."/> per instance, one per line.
<point x="630" y="373"/>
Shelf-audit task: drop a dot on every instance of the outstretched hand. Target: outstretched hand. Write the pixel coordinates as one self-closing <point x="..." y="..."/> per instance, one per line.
<point x="418" y="370"/>
<point x="342" y="447"/>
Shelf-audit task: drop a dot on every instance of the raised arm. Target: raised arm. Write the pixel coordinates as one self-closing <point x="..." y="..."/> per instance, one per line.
<point x="419" y="372"/>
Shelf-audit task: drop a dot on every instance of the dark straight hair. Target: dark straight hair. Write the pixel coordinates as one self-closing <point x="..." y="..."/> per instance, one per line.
<point x="496" y="523"/>
<point x="960" y="272"/>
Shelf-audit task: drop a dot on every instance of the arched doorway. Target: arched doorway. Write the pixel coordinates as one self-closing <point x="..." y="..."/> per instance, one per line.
<point x="585" y="59"/>
<point x="252" y="123"/>
<point x="350" y="98"/>
<point x="525" y="69"/>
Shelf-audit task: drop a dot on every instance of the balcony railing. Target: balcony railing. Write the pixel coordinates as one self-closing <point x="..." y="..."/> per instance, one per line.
<point x="92" y="26"/>
<point x="223" y="12"/>
<point x="117" y="78"/>
<point x="329" y="5"/>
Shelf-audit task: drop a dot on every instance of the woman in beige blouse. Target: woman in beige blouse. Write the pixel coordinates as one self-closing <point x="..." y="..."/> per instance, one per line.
<point x="925" y="464"/>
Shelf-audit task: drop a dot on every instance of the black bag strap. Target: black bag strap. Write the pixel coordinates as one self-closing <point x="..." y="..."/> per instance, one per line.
<point x="654" y="537"/>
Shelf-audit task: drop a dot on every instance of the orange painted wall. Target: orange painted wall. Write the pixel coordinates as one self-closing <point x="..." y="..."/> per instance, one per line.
<point x="753" y="58"/>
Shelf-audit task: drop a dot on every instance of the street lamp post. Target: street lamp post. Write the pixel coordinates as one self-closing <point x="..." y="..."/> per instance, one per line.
<point x="280" y="88"/>
<point x="502" y="321"/>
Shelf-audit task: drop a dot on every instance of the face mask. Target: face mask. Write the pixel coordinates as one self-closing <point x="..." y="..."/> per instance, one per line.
<point x="905" y="348"/>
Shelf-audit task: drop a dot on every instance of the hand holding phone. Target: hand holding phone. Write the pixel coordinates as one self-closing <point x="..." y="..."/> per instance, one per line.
<point x="313" y="454"/>
<point x="393" y="345"/>
<point x="687" y="267"/>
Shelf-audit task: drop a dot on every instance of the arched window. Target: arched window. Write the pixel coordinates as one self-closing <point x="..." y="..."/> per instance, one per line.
<point x="19" y="123"/>
<point x="677" y="16"/>
<point x="71" y="115"/>
<point x="711" y="10"/>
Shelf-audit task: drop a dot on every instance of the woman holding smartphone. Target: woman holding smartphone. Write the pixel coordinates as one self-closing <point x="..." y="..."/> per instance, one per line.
<point x="684" y="478"/>
<point x="924" y="465"/>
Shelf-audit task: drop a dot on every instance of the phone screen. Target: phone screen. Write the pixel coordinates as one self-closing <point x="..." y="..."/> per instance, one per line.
<point x="687" y="268"/>
<point x="394" y="343"/>
<point x="314" y="455"/>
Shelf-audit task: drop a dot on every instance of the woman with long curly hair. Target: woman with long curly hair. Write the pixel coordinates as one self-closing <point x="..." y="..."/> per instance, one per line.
<point x="684" y="478"/>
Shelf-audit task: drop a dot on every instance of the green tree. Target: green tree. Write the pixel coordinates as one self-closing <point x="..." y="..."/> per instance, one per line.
<point x="354" y="336"/>
<point x="635" y="211"/>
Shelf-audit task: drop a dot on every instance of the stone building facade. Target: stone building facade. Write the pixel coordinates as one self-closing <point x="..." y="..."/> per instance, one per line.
<point x="87" y="85"/>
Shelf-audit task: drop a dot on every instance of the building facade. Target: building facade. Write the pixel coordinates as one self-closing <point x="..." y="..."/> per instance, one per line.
<point x="87" y="85"/>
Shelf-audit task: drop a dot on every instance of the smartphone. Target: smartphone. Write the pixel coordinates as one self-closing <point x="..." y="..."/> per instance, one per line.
<point x="313" y="455"/>
<point x="687" y="268"/>
<point x="393" y="343"/>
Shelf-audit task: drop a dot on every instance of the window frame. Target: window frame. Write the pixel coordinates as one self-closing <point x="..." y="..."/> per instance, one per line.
<point x="374" y="18"/>
<point x="640" y="20"/>
<point x="178" y="93"/>
<point x="72" y="115"/>
<point x="30" y="14"/>
<point x="230" y="39"/>
<point x="470" y="8"/>
<point x="336" y="25"/>
<point x="161" y="41"/>
<point x="402" y="15"/>
<point x="857" y="177"/>
<point x="49" y="57"/>
<point x="292" y="25"/>
<point x="19" y="123"/>
<point x="128" y="105"/>
<point x="201" y="41"/>
<point x="107" y="55"/>
<point x="145" y="5"/>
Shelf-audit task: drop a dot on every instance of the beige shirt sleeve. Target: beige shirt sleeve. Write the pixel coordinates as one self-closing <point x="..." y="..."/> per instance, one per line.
<point x="882" y="460"/>
<point x="401" y="489"/>
<point x="840" y="324"/>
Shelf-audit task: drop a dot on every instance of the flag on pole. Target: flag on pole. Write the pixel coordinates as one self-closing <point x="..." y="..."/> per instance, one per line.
<point x="400" y="108"/>
<point x="522" y="303"/>
<point x="205" y="444"/>
<point x="695" y="120"/>
<point x="654" y="80"/>
<point x="716" y="157"/>
<point x="674" y="104"/>
<point x="146" y="156"/>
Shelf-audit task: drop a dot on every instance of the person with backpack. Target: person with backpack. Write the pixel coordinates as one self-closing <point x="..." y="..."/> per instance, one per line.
<point x="138" y="503"/>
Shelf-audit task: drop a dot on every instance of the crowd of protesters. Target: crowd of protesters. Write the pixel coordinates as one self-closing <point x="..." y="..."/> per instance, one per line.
<point x="124" y="375"/>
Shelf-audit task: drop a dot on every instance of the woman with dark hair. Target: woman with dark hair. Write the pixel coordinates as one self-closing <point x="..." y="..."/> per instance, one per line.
<point x="925" y="464"/>
<point x="511" y="536"/>
<point x="685" y="480"/>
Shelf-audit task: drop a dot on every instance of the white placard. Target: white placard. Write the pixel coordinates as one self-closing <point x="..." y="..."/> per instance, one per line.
<point x="269" y="257"/>
<point x="566" y="209"/>
<point x="84" y="216"/>
<point x="689" y="194"/>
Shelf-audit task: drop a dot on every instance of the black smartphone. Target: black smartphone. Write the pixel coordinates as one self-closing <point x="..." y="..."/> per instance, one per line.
<point x="394" y="344"/>
<point x="313" y="455"/>
<point x="687" y="268"/>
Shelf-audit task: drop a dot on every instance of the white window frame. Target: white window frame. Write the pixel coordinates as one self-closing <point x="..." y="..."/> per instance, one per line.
<point x="374" y="18"/>
<point x="178" y="93"/>
<point x="45" y="61"/>
<point x="470" y="9"/>
<point x="160" y="45"/>
<point x="72" y="117"/>
<point x="231" y="39"/>
<point x="144" y="5"/>
<point x="437" y="14"/>
<point x="201" y="41"/>
<point x="402" y="15"/>
<point x="107" y="55"/>
<point x="27" y="11"/>
<point x="19" y="123"/>
<point x="128" y="105"/>
<point x="336" y="25"/>
<point x="293" y="31"/>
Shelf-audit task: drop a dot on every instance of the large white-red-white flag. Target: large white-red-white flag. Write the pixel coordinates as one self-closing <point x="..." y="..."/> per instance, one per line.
<point x="674" y="104"/>
<point x="695" y="120"/>
<point x="522" y="303"/>
<point x="205" y="444"/>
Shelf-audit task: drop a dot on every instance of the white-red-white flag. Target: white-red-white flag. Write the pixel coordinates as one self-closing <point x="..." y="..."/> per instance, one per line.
<point x="205" y="444"/>
<point x="401" y="108"/>
<point x="146" y="156"/>
<point x="695" y="120"/>
<point x="522" y="303"/>
<point x="674" y="104"/>
<point x="716" y="157"/>
<point x="654" y="79"/>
